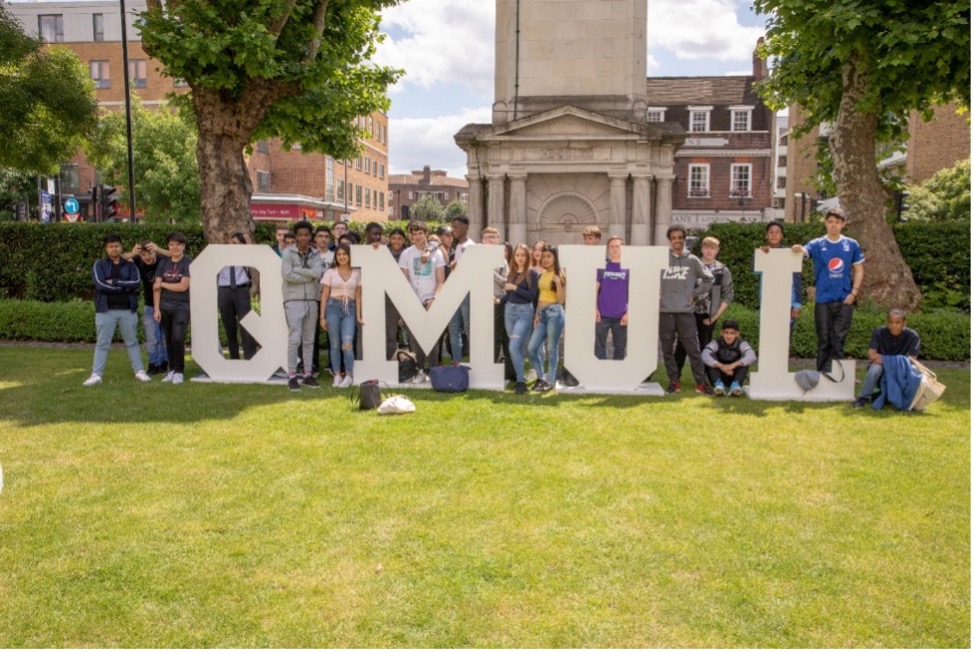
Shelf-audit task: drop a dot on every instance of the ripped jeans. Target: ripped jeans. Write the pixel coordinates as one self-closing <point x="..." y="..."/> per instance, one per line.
<point x="341" y="333"/>
<point x="518" y="319"/>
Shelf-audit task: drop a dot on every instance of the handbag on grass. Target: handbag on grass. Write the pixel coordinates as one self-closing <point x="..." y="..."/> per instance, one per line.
<point x="369" y="395"/>
<point x="450" y="378"/>
<point x="930" y="388"/>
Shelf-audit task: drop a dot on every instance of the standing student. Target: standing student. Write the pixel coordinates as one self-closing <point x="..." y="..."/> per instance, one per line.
<point x="684" y="282"/>
<point x="341" y="312"/>
<point x="423" y="267"/>
<point x="322" y="242"/>
<point x="233" y="302"/>
<point x="612" y="303"/>
<point x="116" y="302"/>
<point x="519" y="310"/>
<point x="774" y="235"/>
<point x="837" y="261"/>
<point x="710" y="307"/>
<point x="536" y="250"/>
<point x="549" y="319"/>
<point x="397" y="245"/>
<point x="146" y="256"/>
<point x="171" y="299"/>
<point x="301" y="273"/>
<point x="279" y="234"/>
<point x="491" y="236"/>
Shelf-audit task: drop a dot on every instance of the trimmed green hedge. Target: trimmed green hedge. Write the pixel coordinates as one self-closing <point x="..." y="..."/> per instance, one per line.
<point x="945" y="335"/>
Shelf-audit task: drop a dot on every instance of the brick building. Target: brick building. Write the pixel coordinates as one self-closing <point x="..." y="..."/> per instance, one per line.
<point x="404" y="190"/>
<point x="930" y="147"/>
<point x="287" y="185"/>
<point x="725" y="169"/>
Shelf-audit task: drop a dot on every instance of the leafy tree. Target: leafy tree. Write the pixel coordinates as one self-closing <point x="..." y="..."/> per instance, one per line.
<point x="862" y="65"/>
<point x="166" y="173"/>
<point x="455" y="208"/>
<point x="945" y="197"/>
<point x="48" y="101"/>
<point x="15" y="186"/>
<point x="427" y="208"/>
<point x="296" y="69"/>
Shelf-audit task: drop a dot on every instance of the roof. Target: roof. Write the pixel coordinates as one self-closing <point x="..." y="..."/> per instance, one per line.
<point x="435" y="181"/>
<point x="725" y="90"/>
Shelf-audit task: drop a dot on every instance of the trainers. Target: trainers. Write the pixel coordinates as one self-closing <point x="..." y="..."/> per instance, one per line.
<point x="142" y="376"/>
<point x="336" y="382"/>
<point x="152" y="369"/>
<point x="704" y="389"/>
<point x="293" y="384"/>
<point x="418" y="378"/>
<point x="736" y="390"/>
<point x="311" y="381"/>
<point x="94" y="379"/>
<point x="719" y="389"/>
<point x="520" y="388"/>
<point x="858" y="403"/>
<point x="542" y="386"/>
<point x="168" y="377"/>
<point x="346" y="381"/>
<point x="674" y="386"/>
<point x="177" y="378"/>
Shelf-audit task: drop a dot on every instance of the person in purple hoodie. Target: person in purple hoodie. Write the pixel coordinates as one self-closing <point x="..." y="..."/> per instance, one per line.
<point x="612" y="303"/>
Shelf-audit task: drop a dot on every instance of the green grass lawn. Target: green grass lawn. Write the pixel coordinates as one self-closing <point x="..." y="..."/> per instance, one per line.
<point x="144" y="515"/>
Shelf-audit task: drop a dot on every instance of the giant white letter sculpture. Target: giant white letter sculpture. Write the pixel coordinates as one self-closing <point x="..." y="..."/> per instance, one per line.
<point x="625" y="376"/>
<point x="269" y="328"/>
<point x="773" y="380"/>
<point x="381" y="275"/>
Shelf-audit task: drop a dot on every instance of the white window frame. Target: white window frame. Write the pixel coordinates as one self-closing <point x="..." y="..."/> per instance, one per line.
<point x="735" y="111"/>
<point x="693" y="192"/>
<point x="694" y="112"/>
<point x="98" y="27"/>
<point x="654" y="111"/>
<point x="101" y="73"/>
<point x="134" y="69"/>
<point x="263" y="181"/>
<point x="735" y="187"/>
<point x="56" y="22"/>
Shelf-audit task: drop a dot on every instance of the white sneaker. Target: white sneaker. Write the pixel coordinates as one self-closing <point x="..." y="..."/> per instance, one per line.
<point x="531" y="376"/>
<point x="94" y="379"/>
<point x="418" y="378"/>
<point x="169" y="376"/>
<point x="337" y="381"/>
<point x="346" y="381"/>
<point x="177" y="378"/>
<point x="142" y="376"/>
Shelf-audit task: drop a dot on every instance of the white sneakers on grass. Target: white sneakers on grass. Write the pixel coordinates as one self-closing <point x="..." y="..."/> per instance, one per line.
<point x="142" y="376"/>
<point x="346" y="381"/>
<point x="94" y="379"/>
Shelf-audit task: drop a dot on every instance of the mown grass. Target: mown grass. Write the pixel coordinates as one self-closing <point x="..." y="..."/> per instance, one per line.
<point x="236" y="516"/>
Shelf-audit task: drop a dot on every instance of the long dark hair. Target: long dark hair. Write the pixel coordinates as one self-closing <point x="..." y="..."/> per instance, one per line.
<point x="555" y="266"/>
<point x="342" y="247"/>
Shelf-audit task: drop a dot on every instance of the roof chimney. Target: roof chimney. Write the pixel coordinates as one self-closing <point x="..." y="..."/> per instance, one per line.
<point x="759" y="66"/>
<point x="426" y="176"/>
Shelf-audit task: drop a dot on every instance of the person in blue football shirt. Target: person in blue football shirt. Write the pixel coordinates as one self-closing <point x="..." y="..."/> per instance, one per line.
<point x="838" y="281"/>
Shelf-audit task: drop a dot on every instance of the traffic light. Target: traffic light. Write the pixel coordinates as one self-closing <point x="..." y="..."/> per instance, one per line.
<point x="901" y="204"/>
<point x="109" y="202"/>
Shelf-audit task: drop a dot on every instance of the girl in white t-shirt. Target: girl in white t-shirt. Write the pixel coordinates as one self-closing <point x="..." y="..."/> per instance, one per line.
<point x="341" y="311"/>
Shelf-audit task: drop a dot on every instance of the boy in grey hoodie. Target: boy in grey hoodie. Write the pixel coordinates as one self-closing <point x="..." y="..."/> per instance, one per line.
<point x="684" y="282"/>
<point x="301" y="269"/>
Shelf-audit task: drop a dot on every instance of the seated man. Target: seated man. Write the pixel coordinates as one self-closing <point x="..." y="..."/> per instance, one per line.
<point x="894" y="339"/>
<point x="727" y="360"/>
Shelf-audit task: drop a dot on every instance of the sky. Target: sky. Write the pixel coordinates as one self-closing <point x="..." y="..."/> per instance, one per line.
<point x="447" y="50"/>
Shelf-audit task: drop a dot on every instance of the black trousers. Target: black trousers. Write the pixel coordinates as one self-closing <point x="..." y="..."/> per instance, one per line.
<point x="705" y="333"/>
<point x="502" y="342"/>
<point x="234" y="304"/>
<point x="832" y="323"/>
<point x="174" y="323"/>
<point x="714" y="375"/>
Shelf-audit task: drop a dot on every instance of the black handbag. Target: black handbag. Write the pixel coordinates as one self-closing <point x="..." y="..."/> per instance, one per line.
<point x="369" y="395"/>
<point x="450" y="378"/>
<point x="407" y="365"/>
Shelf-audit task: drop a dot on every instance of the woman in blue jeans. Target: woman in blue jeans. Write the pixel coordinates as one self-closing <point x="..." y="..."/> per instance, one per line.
<point x="519" y="310"/>
<point x="549" y="318"/>
<point x="340" y="312"/>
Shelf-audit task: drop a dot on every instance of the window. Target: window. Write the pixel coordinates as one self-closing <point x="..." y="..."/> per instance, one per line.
<point x="69" y="176"/>
<point x="262" y="147"/>
<point x="369" y="127"/>
<point x="100" y="74"/>
<point x="410" y="194"/>
<point x="51" y="28"/>
<point x="782" y="182"/>
<point x="263" y="181"/>
<point x="368" y="198"/>
<point x="375" y="198"/>
<point x="382" y="171"/>
<point x="699" y="119"/>
<point x="340" y="191"/>
<point x="740" y="180"/>
<point x="368" y="165"/>
<point x="98" y="27"/>
<point x="655" y="114"/>
<point x="382" y="202"/>
<point x="358" y="195"/>
<point x="137" y="73"/>
<point x="358" y="163"/>
<point x="782" y="161"/>
<point x="329" y="179"/>
<point x="699" y="180"/>
<point x="741" y="119"/>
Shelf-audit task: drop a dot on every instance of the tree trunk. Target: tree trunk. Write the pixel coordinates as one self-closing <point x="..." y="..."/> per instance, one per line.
<point x="887" y="279"/>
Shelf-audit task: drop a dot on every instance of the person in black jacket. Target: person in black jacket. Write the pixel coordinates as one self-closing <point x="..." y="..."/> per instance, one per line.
<point x="117" y="285"/>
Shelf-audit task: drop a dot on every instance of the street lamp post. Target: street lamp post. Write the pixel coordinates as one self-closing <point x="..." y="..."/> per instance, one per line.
<point x="128" y="112"/>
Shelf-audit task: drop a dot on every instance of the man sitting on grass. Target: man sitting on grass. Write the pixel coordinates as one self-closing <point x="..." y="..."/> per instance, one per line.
<point x="894" y="339"/>
<point x="727" y="360"/>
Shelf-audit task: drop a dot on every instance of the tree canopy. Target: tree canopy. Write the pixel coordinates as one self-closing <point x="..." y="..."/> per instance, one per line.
<point x="48" y="101"/>
<point x="945" y="197"/>
<point x="427" y="208"/>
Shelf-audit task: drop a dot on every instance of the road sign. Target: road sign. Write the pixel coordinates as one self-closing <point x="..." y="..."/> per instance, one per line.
<point x="71" y="205"/>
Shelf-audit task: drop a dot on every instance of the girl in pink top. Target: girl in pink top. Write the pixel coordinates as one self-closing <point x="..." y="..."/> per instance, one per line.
<point x="340" y="312"/>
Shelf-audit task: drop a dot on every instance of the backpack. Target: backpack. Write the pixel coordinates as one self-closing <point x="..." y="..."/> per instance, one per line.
<point x="407" y="364"/>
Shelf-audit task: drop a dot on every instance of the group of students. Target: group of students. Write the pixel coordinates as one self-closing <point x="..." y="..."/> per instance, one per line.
<point x="322" y="293"/>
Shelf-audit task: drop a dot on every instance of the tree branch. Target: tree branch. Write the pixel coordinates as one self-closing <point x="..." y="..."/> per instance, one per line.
<point x="321" y="8"/>
<point x="278" y="27"/>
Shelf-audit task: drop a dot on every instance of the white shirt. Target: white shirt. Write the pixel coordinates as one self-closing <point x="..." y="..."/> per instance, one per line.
<point x="422" y="276"/>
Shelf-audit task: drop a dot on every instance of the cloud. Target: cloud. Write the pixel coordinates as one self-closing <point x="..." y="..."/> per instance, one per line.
<point x="441" y="42"/>
<point x="701" y="29"/>
<point x="415" y="142"/>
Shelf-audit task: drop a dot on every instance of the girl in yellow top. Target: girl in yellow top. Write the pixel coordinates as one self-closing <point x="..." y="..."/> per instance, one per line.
<point x="549" y="318"/>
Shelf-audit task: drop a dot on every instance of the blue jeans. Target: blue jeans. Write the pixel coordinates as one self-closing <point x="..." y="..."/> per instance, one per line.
<point x="871" y="383"/>
<point x="551" y="321"/>
<point x="517" y="323"/>
<point x="341" y="334"/>
<point x="459" y="322"/>
<point x="619" y="338"/>
<point x="105" y="323"/>
<point x="155" y="345"/>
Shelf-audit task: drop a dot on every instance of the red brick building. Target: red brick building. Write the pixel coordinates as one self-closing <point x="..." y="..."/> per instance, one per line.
<point x="404" y="190"/>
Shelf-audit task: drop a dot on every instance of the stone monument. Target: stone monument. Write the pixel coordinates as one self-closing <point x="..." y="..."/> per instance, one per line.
<point x="569" y="144"/>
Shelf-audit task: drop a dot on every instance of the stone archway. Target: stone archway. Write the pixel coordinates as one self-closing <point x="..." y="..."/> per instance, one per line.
<point x="563" y="216"/>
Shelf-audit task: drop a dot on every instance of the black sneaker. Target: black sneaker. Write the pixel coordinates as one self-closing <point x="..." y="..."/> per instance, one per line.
<point x="152" y="369"/>
<point x="311" y="381"/>
<point x="674" y="386"/>
<point x="542" y="386"/>
<point x="860" y="402"/>
<point x="293" y="384"/>
<point x="520" y="388"/>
